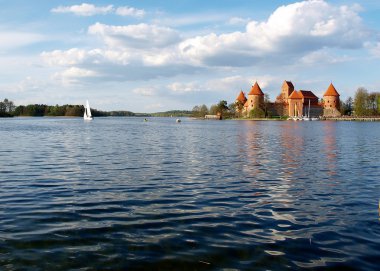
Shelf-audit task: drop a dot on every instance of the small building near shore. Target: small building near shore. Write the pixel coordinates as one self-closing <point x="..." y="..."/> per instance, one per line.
<point x="213" y="117"/>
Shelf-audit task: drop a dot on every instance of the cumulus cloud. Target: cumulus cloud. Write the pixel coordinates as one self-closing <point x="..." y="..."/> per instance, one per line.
<point x="291" y="30"/>
<point x="74" y="75"/>
<point x="130" y="11"/>
<point x="301" y="33"/>
<point x="84" y="9"/>
<point x="137" y="36"/>
<point x="76" y="56"/>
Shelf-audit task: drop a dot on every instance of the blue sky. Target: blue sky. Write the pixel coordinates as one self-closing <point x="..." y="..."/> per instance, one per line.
<point x="149" y="56"/>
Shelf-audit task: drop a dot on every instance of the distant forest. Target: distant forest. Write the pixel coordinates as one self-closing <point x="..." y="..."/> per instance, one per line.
<point x="8" y="109"/>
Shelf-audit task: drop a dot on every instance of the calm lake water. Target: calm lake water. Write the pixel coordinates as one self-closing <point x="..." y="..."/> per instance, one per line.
<point x="123" y="194"/>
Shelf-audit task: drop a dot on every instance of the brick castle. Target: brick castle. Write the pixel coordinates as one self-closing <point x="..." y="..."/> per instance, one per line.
<point x="291" y="102"/>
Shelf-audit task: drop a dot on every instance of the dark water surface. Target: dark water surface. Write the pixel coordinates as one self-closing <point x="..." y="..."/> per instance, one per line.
<point x="121" y="194"/>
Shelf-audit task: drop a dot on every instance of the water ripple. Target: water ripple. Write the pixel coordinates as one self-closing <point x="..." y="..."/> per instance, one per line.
<point x="118" y="193"/>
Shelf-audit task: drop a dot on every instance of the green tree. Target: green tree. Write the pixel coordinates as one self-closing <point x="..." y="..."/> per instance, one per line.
<point x="196" y="111"/>
<point x="213" y="109"/>
<point x="266" y="105"/>
<point x="372" y="103"/>
<point x="222" y="108"/>
<point x="3" y="107"/>
<point x="203" y="110"/>
<point x="257" y="113"/>
<point x="361" y="102"/>
<point x="238" y="109"/>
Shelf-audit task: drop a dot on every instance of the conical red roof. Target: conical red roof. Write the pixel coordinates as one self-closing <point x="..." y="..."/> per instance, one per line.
<point x="331" y="91"/>
<point x="295" y="95"/>
<point x="256" y="90"/>
<point x="241" y="97"/>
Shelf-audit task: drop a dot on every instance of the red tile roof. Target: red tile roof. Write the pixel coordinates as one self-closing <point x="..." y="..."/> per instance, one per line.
<point x="295" y="95"/>
<point x="290" y="84"/>
<point x="331" y="91"/>
<point x="256" y="90"/>
<point x="307" y="94"/>
<point x="241" y="97"/>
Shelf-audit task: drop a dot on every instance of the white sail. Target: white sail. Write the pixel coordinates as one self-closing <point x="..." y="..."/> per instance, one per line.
<point x="87" y="112"/>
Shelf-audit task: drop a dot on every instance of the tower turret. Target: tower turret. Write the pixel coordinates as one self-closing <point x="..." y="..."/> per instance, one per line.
<point x="331" y="102"/>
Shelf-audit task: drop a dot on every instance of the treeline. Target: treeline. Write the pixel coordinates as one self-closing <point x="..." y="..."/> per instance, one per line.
<point x="8" y="109"/>
<point x="41" y="110"/>
<point x="221" y="108"/>
<point x="172" y="113"/>
<point x="365" y="103"/>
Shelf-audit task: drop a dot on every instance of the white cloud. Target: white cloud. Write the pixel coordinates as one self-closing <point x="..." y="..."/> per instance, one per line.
<point x="16" y="39"/>
<point x="323" y="56"/>
<point x="291" y="30"/>
<point x="130" y="11"/>
<point x="84" y="9"/>
<point x="74" y="75"/>
<point x="76" y="56"/>
<point x="145" y="91"/>
<point x="135" y="36"/>
<point x="374" y="48"/>
<point x="238" y="21"/>
<point x="184" y="87"/>
<point x="154" y="106"/>
<point x="301" y="33"/>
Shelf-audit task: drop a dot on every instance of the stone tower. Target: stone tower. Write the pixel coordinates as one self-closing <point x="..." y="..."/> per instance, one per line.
<point x="331" y="102"/>
<point x="241" y="98"/>
<point x="240" y="102"/>
<point x="255" y="98"/>
<point x="286" y="89"/>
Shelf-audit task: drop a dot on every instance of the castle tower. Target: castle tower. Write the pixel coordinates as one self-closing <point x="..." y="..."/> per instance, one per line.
<point x="331" y="102"/>
<point x="255" y="98"/>
<point x="295" y="104"/>
<point x="286" y="89"/>
<point x="241" y="98"/>
<point x="240" y="102"/>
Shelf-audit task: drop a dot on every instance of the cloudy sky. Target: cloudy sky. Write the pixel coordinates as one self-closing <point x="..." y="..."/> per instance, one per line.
<point x="158" y="55"/>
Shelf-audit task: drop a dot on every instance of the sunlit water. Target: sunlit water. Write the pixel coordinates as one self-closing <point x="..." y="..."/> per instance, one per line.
<point x="123" y="194"/>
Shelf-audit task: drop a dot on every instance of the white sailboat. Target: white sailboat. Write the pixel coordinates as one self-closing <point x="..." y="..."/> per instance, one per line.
<point x="87" y="112"/>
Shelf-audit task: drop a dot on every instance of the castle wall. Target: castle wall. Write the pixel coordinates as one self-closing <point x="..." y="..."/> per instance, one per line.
<point x="295" y="108"/>
<point x="331" y="112"/>
<point x="331" y="102"/>
<point x="255" y="101"/>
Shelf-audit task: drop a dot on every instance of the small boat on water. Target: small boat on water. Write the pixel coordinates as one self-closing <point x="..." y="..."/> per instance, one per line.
<point x="87" y="112"/>
<point x="178" y="120"/>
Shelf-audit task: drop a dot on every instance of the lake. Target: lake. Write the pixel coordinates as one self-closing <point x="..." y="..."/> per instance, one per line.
<point x="123" y="194"/>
